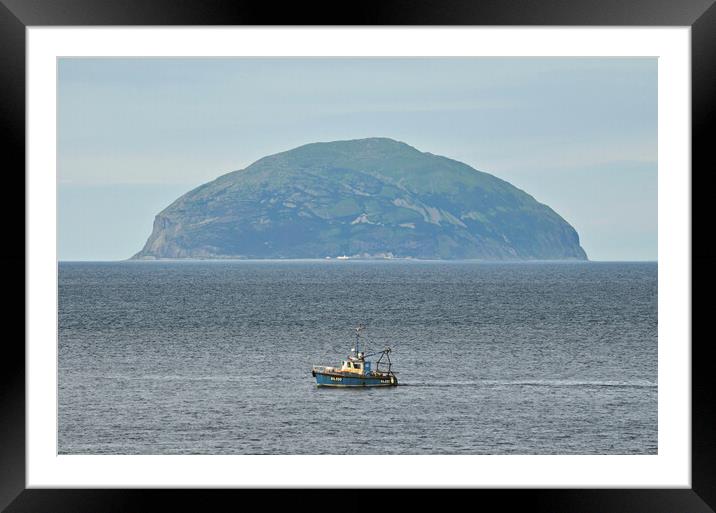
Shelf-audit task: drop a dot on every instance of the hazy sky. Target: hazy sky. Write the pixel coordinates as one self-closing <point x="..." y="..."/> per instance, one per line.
<point x="577" y="134"/>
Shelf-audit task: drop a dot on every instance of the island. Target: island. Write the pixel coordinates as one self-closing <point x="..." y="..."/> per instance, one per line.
<point x="363" y="198"/>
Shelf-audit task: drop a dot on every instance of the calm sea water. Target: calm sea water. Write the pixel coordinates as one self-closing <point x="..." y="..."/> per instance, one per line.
<point x="215" y="358"/>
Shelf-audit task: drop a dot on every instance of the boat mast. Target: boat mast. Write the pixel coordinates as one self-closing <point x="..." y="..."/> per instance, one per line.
<point x="358" y="329"/>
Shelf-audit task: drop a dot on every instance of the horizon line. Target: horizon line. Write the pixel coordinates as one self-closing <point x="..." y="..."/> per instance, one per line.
<point x="331" y="259"/>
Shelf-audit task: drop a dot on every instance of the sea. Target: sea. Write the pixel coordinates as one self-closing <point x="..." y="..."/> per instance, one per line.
<point x="215" y="357"/>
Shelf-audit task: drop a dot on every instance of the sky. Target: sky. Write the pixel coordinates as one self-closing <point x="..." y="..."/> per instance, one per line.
<point x="578" y="134"/>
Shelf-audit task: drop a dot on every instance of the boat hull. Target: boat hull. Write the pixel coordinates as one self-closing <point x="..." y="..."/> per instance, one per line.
<point x="343" y="380"/>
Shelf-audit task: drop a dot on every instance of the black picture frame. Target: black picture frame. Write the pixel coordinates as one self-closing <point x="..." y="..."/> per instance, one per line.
<point x="16" y="15"/>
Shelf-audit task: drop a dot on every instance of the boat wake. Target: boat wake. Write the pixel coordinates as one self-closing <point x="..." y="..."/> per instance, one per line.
<point x="535" y="383"/>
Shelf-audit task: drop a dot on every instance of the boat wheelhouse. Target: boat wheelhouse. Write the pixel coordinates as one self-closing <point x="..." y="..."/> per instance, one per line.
<point x="356" y="370"/>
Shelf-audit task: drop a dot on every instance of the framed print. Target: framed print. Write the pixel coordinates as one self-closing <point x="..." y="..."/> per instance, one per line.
<point x="414" y="247"/>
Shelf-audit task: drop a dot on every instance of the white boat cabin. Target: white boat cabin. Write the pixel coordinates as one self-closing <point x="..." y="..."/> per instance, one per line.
<point x="356" y="365"/>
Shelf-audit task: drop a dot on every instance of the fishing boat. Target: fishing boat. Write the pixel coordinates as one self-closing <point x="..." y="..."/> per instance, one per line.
<point x="356" y="370"/>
